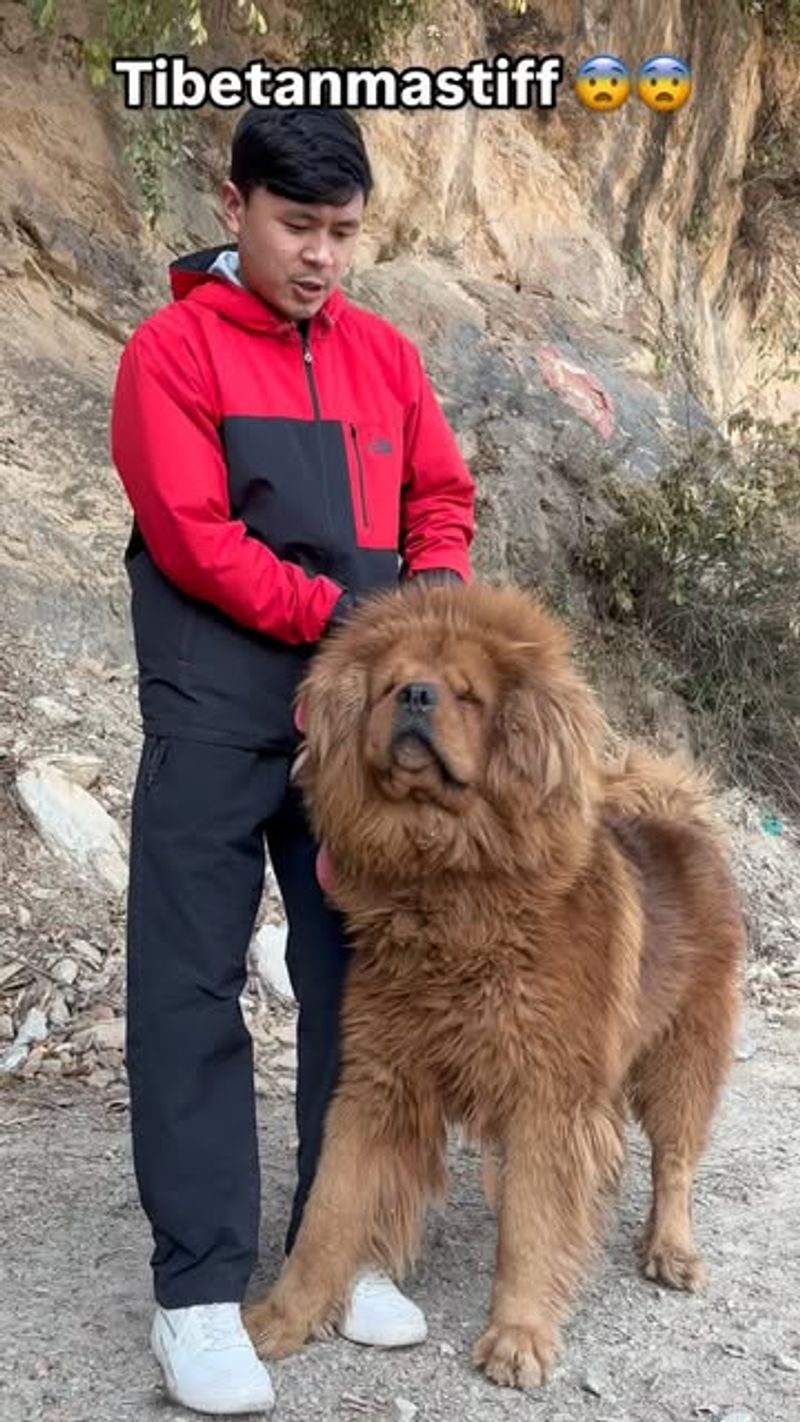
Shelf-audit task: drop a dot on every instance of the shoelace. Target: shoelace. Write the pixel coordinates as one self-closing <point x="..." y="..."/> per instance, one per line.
<point x="222" y="1326"/>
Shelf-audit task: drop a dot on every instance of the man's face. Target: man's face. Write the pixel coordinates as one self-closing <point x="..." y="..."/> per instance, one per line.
<point x="291" y="254"/>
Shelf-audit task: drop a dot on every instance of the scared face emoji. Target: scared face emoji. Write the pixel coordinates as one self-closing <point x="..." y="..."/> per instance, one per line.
<point x="664" y="83"/>
<point x="603" y="83"/>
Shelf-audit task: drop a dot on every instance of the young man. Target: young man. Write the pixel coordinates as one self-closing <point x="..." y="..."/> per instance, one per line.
<point x="284" y="455"/>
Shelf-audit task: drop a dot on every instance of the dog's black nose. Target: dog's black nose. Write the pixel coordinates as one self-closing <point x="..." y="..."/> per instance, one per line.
<point x="417" y="697"/>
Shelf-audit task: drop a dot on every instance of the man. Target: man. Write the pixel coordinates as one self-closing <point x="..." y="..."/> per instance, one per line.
<point x="283" y="454"/>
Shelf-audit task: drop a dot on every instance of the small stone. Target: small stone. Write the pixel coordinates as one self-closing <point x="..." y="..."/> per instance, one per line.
<point x="33" y="1029"/>
<point x="6" y="1028"/>
<point x="88" y="952"/>
<point x="55" y="712"/>
<point x="593" y="1384"/>
<point x="100" y="1012"/>
<point x="403" y="1411"/>
<point x="286" y="1060"/>
<point x="787" y="1364"/>
<point x="764" y="973"/>
<point x="59" y="1012"/>
<point x="110" y="1035"/>
<point x="66" y="971"/>
<point x="268" y="957"/>
<point x="447" y="1350"/>
<point x="23" y="917"/>
<point x="83" y="770"/>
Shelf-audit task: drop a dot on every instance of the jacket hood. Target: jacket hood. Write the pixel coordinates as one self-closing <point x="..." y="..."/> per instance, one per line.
<point x="192" y="280"/>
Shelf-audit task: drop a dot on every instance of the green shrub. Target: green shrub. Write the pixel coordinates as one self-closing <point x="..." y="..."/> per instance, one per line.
<point x="707" y="566"/>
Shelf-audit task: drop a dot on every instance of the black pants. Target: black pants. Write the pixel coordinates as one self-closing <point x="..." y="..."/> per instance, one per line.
<point x="199" y="817"/>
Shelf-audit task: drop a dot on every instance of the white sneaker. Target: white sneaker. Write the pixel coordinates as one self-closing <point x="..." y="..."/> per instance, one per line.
<point x="209" y="1362"/>
<point x="380" y="1315"/>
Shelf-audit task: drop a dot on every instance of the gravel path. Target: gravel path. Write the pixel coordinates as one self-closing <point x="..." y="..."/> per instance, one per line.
<point x="75" y="1305"/>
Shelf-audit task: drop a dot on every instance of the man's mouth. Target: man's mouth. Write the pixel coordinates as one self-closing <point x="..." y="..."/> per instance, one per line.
<point x="308" y="286"/>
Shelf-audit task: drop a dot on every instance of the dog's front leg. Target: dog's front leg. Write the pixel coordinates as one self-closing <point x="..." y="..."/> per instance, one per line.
<point x="559" y="1164"/>
<point x="381" y="1160"/>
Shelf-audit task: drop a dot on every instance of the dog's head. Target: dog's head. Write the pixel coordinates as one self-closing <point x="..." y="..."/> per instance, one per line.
<point x="446" y="730"/>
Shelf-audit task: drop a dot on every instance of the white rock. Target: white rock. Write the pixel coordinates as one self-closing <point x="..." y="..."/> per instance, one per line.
<point x="90" y="954"/>
<point x="403" y="1411"/>
<point x="73" y="825"/>
<point x="23" y="916"/>
<point x="286" y="1060"/>
<point x="58" y="1010"/>
<point x="66" y="971"/>
<point x="6" y="1028"/>
<point x="33" y="1029"/>
<point x="82" y="770"/>
<point x="268" y="957"/>
<point x="56" y="712"/>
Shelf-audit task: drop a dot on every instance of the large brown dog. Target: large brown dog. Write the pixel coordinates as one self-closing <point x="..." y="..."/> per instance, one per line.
<point x="538" y="938"/>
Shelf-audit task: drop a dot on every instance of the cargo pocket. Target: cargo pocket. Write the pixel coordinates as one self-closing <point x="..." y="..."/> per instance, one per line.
<point x="155" y="756"/>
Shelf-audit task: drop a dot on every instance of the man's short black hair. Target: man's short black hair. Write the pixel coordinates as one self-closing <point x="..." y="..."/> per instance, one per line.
<point x="304" y="154"/>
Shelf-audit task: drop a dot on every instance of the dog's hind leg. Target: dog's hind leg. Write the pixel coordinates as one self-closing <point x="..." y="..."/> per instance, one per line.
<point x="382" y="1159"/>
<point x="674" y="1090"/>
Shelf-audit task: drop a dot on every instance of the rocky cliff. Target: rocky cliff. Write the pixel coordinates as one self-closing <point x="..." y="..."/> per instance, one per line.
<point x="590" y="290"/>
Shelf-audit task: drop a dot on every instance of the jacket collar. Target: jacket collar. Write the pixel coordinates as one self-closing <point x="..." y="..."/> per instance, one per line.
<point x="191" y="279"/>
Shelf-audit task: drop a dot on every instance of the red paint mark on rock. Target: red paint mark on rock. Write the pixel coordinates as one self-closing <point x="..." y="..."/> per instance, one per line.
<point x="577" y="388"/>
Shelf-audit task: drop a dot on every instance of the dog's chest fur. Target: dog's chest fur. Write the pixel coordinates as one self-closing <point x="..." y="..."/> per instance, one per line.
<point x="474" y="1031"/>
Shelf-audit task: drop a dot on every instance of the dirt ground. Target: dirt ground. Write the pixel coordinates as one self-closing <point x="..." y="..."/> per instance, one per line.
<point x="76" y="1305"/>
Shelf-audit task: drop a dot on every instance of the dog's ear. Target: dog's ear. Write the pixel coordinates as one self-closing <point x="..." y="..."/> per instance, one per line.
<point x="547" y="737"/>
<point x="333" y="701"/>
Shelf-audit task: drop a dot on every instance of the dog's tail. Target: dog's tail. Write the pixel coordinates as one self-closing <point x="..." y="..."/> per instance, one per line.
<point x="663" y="787"/>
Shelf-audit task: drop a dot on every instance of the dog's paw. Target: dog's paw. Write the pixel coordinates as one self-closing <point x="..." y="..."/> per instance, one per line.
<point x="516" y="1355"/>
<point x="676" y="1265"/>
<point x="274" y="1330"/>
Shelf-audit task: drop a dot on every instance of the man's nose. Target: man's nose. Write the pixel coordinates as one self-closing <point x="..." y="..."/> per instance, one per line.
<point x="418" y="697"/>
<point x="319" y="251"/>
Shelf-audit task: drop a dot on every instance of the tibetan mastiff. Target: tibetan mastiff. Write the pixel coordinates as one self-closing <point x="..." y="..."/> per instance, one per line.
<point x="542" y="940"/>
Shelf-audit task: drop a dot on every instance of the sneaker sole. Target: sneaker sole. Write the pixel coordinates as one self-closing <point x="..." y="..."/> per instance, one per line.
<point x="410" y="1339"/>
<point x="259" y="1409"/>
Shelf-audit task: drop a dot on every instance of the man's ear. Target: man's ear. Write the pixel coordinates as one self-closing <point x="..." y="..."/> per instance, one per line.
<point x="233" y="205"/>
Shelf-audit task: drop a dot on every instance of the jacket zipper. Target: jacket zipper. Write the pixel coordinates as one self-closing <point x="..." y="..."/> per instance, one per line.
<point x="308" y="362"/>
<point x="361" y="484"/>
<point x="309" y="365"/>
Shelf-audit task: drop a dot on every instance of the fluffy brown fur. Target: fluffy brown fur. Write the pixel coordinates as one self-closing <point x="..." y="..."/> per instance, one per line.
<point x="539" y="939"/>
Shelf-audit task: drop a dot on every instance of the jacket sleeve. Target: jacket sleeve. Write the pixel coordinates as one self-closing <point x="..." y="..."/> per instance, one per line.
<point x="437" y="514"/>
<point x="166" y="447"/>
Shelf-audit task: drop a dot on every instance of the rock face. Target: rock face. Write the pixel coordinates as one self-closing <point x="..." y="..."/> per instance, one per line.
<point x="586" y="289"/>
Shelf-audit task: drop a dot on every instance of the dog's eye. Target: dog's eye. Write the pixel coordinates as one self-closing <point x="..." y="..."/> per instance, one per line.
<point x="470" y="697"/>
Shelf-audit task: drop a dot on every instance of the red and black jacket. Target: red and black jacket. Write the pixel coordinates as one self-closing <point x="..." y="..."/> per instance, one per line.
<point x="269" y="466"/>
